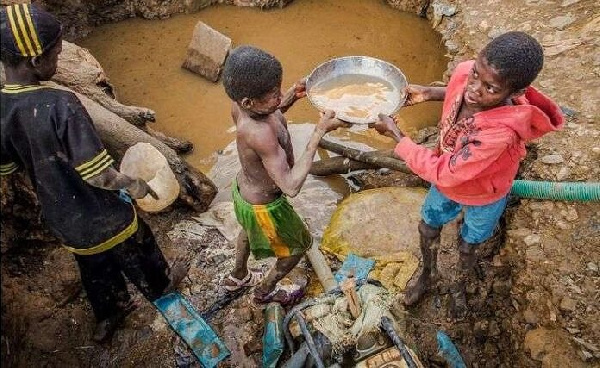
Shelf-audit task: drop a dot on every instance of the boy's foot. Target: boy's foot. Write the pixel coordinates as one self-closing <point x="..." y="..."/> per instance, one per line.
<point x="107" y="327"/>
<point x="415" y="293"/>
<point x="252" y="278"/>
<point x="178" y="270"/>
<point x="282" y="295"/>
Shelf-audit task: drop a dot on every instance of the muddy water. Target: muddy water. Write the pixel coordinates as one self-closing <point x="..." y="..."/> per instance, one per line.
<point x="356" y="96"/>
<point x="143" y="60"/>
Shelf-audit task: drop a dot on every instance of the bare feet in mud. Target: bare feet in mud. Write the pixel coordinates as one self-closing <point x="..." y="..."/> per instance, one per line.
<point x="107" y="327"/>
<point x="178" y="270"/>
<point x="415" y="293"/>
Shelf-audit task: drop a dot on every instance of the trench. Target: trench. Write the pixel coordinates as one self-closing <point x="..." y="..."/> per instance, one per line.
<point x="143" y="57"/>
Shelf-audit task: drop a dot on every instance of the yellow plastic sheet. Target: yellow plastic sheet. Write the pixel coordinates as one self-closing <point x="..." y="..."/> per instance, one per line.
<point x="380" y="224"/>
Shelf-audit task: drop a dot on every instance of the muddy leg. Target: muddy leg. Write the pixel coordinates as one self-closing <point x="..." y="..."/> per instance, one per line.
<point x="466" y="265"/>
<point x="281" y="268"/>
<point x="242" y="252"/>
<point x="429" y="241"/>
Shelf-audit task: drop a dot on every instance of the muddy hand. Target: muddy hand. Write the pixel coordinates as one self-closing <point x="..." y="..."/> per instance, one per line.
<point x="300" y="89"/>
<point x="329" y="122"/>
<point x="386" y="126"/>
<point x="415" y="94"/>
<point x="140" y="189"/>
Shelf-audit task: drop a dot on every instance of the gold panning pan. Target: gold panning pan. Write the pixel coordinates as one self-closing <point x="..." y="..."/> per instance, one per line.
<point x="357" y="88"/>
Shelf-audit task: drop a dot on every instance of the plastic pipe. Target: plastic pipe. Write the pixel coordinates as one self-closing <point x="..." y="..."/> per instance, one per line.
<point x="561" y="191"/>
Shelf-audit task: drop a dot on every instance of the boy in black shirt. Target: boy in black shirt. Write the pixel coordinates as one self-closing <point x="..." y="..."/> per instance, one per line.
<point x="49" y="134"/>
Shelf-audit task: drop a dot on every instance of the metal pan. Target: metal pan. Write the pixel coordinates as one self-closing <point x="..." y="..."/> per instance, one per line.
<point x="358" y="65"/>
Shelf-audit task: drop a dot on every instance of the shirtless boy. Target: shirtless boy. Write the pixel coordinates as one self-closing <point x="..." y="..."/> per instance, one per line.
<point x="271" y="227"/>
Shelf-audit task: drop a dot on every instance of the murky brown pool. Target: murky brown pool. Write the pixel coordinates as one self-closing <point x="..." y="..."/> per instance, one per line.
<point x="143" y="60"/>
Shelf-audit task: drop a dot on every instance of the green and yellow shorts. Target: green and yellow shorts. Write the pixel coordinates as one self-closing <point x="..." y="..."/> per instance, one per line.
<point x="273" y="229"/>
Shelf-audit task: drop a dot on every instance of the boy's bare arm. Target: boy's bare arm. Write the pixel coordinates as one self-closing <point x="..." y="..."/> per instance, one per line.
<point x="290" y="179"/>
<point x="416" y="94"/>
<point x="296" y="92"/>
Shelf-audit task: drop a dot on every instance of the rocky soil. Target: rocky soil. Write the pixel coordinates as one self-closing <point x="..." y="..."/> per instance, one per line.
<point x="536" y="301"/>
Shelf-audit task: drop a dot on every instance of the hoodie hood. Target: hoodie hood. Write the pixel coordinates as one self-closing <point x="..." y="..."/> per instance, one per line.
<point x="532" y="115"/>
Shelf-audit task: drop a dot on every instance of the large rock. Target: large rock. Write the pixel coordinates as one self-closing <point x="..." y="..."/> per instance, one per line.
<point x="206" y="52"/>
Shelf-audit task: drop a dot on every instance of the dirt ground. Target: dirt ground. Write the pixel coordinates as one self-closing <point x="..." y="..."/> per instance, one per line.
<point x="536" y="302"/>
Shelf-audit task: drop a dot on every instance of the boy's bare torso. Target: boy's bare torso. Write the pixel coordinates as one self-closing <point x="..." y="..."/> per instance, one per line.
<point x="255" y="184"/>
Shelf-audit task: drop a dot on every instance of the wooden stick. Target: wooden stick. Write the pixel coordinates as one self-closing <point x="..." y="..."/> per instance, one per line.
<point x="348" y="287"/>
<point x="376" y="158"/>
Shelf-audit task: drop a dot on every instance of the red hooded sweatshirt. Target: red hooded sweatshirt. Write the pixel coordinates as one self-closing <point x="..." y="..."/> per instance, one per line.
<point x="477" y="158"/>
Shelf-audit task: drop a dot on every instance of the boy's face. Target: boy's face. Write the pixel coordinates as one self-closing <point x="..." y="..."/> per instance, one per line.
<point x="485" y="88"/>
<point x="45" y="65"/>
<point x="265" y="105"/>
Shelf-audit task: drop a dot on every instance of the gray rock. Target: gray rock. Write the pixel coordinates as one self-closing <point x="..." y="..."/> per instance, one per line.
<point x="569" y="2"/>
<point x="552" y="159"/>
<point x="563" y="173"/>
<point x="530" y="317"/>
<point x="532" y="239"/>
<point x="591" y="266"/>
<point x="206" y="52"/>
<point x="567" y="304"/>
<point x="561" y="22"/>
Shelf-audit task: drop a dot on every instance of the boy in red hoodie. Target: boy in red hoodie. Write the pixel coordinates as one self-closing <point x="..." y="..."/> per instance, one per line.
<point x="490" y="111"/>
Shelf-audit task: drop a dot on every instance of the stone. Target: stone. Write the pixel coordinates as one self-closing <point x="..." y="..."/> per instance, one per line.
<point x="570" y="214"/>
<point x="569" y="2"/>
<point x="207" y="52"/>
<point x="561" y="22"/>
<point x="567" y="304"/>
<point x="591" y="266"/>
<point x="552" y="159"/>
<point x="563" y="173"/>
<point x="534" y="254"/>
<point x="532" y="239"/>
<point x="530" y="317"/>
<point x="585" y="355"/>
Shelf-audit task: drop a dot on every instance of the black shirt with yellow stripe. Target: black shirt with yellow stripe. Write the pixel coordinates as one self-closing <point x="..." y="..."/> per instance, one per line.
<point x="49" y="133"/>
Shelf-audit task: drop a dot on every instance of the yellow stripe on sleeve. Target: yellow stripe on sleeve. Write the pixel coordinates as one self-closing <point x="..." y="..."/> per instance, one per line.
<point x="266" y="223"/>
<point x="8" y="168"/>
<point x="26" y="36"/>
<point x="32" y="31"/>
<point x="92" y="162"/>
<point x="15" y="30"/>
<point x="101" y="166"/>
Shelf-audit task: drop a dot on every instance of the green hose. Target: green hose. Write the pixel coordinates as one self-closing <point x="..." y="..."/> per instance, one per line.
<point x="561" y="191"/>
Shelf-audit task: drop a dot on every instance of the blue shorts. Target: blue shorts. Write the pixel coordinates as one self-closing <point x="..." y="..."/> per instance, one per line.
<point x="479" y="221"/>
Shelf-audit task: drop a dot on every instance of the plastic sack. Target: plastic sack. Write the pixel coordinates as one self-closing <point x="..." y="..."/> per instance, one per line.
<point x="144" y="161"/>
<point x="188" y="324"/>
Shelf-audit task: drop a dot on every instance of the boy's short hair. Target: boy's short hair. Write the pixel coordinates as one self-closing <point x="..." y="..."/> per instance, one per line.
<point x="250" y="72"/>
<point x="27" y="31"/>
<point x="516" y="56"/>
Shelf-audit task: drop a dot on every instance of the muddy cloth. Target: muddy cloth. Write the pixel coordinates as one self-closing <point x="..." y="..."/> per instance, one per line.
<point x="50" y="134"/>
<point x="477" y="158"/>
<point x="273" y="229"/>
<point x="138" y="257"/>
